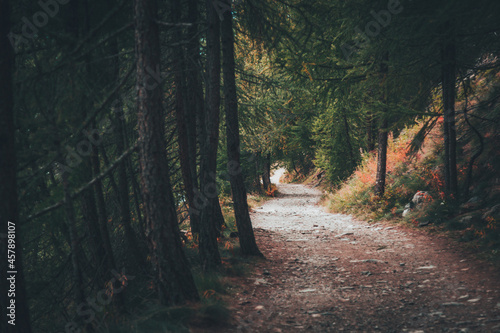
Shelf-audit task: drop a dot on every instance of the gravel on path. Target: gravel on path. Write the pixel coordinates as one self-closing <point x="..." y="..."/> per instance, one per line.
<point x="333" y="273"/>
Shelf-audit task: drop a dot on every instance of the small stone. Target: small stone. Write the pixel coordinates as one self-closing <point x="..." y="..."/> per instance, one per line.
<point x="266" y="272"/>
<point x="463" y="297"/>
<point x="374" y="261"/>
<point x="474" y="300"/>
<point x="260" y="281"/>
<point x="307" y="290"/>
<point x="420" y="197"/>
<point x="424" y="223"/>
<point x="259" y="307"/>
<point x="437" y="313"/>
<point x="427" y="267"/>
<point x="344" y="234"/>
<point x="346" y="288"/>
<point x="402" y="264"/>
<point x="452" y="304"/>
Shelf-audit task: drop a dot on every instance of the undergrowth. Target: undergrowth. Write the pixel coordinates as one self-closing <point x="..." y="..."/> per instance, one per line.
<point x="474" y="220"/>
<point x="214" y="288"/>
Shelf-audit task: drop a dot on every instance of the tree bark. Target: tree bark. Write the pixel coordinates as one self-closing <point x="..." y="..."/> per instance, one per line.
<point x="185" y="117"/>
<point x="135" y="250"/>
<point x="369" y="132"/>
<point x="450" y="142"/>
<point x="383" y="133"/>
<point x="381" y="159"/>
<point x="90" y="207"/>
<point x="209" y="221"/>
<point x="348" y="140"/>
<point x="266" y="174"/>
<point x="195" y="104"/>
<point x="136" y="195"/>
<point x="258" y="178"/>
<point x="90" y="217"/>
<point x="173" y="277"/>
<point x="74" y="243"/>
<point x="8" y="190"/>
<point x="244" y="224"/>
<point x="102" y="213"/>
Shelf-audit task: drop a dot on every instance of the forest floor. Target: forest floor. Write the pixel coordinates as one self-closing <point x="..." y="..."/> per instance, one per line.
<point x="328" y="272"/>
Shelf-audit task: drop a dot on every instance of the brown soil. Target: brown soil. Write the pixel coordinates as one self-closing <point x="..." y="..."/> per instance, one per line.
<point x="331" y="273"/>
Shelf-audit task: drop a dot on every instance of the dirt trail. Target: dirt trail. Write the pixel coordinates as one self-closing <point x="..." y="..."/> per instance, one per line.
<point x="332" y="273"/>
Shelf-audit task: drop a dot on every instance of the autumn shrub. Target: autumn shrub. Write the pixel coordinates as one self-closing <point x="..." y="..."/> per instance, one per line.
<point x="272" y="190"/>
<point x="410" y="171"/>
<point x="406" y="174"/>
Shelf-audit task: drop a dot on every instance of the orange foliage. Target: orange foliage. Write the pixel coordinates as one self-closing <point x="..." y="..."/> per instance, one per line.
<point x="208" y="293"/>
<point x="271" y="190"/>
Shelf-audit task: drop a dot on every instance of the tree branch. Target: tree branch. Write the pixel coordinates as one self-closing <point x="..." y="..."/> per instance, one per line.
<point x="86" y="186"/>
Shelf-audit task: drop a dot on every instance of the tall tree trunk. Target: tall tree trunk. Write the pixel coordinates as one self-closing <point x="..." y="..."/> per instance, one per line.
<point x="381" y="158"/>
<point x="173" y="277"/>
<point x="136" y="252"/>
<point x="266" y="174"/>
<point x="194" y="97"/>
<point x="369" y="132"/>
<point x="135" y="191"/>
<point x="91" y="219"/>
<point x="186" y="117"/>
<point x="383" y="133"/>
<point x="76" y="26"/>
<point x="8" y="190"/>
<point x="103" y="225"/>
<point x="348" y="140"/>
<point x="101" y="211"/>
<point x="450" y="141"/>
<point x="78" y="287"/>
<point x="244" y="224"/>
<point x="209" y="222"/>
<point x="258" y="179"/>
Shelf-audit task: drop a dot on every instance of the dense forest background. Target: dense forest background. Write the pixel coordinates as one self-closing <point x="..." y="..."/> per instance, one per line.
<point x="132" y="131"/>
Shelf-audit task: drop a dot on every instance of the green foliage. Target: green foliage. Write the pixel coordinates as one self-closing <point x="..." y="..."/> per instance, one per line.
<point x="334" y="148"/>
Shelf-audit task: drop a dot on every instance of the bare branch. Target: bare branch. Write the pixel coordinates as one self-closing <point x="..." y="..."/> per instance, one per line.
<point x="89" y="184"/>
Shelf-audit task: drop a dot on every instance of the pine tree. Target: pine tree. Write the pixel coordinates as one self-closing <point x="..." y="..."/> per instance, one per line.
<point x="9" y="214"/>
<point x="173" y="278"/>
<point x="243" y="222"/>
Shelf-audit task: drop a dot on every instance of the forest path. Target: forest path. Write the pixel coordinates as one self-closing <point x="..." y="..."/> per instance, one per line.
<point x="330" y="273"/>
